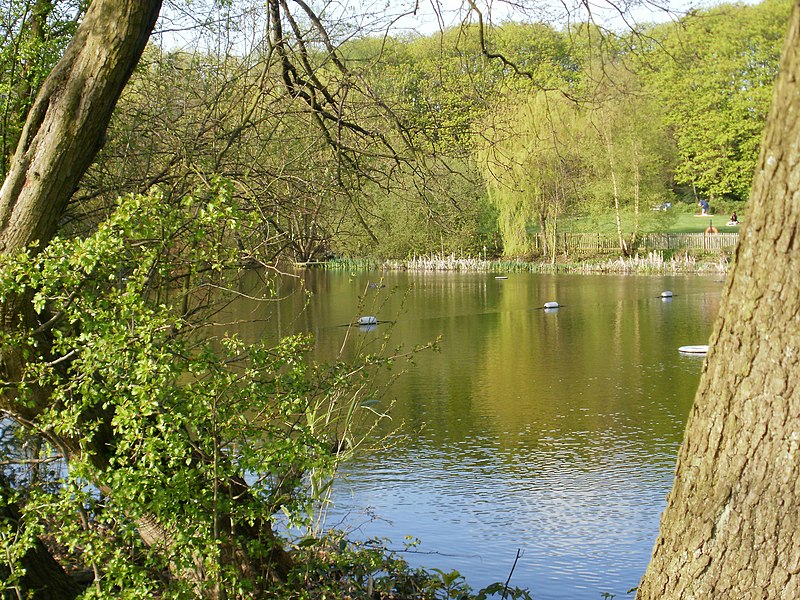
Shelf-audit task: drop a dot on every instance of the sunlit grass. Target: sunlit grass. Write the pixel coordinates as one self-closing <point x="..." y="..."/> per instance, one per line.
<point x="679" y="218"/>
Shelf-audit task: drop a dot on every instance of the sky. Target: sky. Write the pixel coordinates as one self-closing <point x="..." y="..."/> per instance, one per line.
<point x="433" y="14"/>
<point x="376" y="17"/>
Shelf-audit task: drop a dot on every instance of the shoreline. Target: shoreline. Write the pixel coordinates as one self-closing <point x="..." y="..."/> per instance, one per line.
<point x="654" y="263"/>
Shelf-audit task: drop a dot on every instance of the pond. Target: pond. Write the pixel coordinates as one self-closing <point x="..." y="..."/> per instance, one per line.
<point x="551" y="433"/>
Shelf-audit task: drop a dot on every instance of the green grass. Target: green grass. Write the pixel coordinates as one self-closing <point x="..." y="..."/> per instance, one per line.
<point x="678" y="219"/>
<point x="690" y="223"/>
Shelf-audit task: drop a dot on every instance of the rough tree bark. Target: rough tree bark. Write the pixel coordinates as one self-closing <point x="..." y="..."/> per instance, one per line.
<point x="66" y="123"/>
<point x="731" y="528"/>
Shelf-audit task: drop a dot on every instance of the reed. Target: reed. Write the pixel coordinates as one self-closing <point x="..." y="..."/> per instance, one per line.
<point x="462" y="263"/>
<point x="655" y="263"/>
<point x="652" y="263"/>
<point x="353" y="264"/>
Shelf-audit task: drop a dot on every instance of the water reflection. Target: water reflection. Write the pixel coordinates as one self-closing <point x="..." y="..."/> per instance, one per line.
<point x="549" y="431"/>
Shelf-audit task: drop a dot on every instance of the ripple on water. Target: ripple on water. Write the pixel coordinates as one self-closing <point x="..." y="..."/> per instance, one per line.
<point x="580" y="512"/>
<point x="553" y="436"/>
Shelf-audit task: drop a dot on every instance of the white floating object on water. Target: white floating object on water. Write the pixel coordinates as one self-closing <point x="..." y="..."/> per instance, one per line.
<point x="370" y="320"/>
<point x="551" y="304"/>
<point x="666" y="294"/>
<point x="693" y="349"/>
<point x="501" y="277"/>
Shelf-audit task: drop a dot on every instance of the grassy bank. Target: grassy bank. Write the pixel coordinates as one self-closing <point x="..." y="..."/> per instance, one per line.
<point x="695" y="223"/>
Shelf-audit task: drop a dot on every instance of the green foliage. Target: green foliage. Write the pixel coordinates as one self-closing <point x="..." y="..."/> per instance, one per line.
<point x="443" y="87"/>
<point x="444" y="214"/>
<point x="334" y="567"/>
<point x="186" y="115"/>
<point x="34" y="34"/>
<point x="649" y="112"/>
<point x="532" y="165"/>
<point x="438" y="86"/>
<point x="715" y="71"/>
<point x="629" y="155"/>
<point x="160" y="423"/>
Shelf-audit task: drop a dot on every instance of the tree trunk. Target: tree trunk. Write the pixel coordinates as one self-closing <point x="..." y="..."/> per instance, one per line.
<point x="637" y="185"/>
<point x="62" y="134"/>
<point x="731" y="528"/>
<point x="44" y="579"/>
<point x="609" y="144"/>
<point x="66" y="123"/>
<point x="543" y="234"/>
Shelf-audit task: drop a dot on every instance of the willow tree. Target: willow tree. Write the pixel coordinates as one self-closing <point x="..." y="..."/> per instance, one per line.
<point x="730" y="529"/>
<point x="532" y="164"/>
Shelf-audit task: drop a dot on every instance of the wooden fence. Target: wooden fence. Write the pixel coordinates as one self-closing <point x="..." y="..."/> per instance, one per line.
<point x="581" y="243"/>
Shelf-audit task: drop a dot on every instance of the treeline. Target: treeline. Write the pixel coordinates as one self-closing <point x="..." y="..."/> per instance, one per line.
<point x="548" y="125"/>
<point x="468" y="140"/>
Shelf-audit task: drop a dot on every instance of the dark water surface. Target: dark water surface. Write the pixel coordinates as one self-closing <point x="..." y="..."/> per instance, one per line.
<point x="554" y="433"/>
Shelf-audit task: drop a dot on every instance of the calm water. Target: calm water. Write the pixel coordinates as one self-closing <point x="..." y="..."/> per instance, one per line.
<point x="550" y="433"/>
